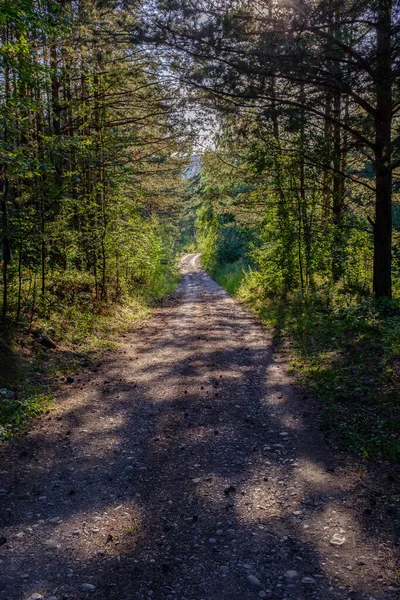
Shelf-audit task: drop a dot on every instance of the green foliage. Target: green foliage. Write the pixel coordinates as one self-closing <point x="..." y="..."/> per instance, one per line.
<point x="348" y="358"/>
<point x="90" y="174"/>
<point x="91" y="163"/>
<point x="15" y="413"/>
<point x="230" y="276"/>
<point x="308" y="275"/>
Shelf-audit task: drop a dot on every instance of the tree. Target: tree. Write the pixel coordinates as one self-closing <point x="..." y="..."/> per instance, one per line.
<point x="342" y="70"/>
<point x="90" y="152"/>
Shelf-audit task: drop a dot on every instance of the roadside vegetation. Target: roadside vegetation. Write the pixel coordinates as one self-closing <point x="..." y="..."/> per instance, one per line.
<point x="298" y="200"/>
<point x="343" y="344"/>
<point x="82" y="330"/>
<point x="90" y="178"/>
<point x="294" y="204"/>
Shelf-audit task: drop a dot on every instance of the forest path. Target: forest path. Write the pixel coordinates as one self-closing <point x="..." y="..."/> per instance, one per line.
<point x="186" y="466"/>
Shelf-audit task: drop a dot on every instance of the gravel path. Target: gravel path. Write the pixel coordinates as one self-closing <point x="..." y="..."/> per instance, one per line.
<point x="186" y="466"/>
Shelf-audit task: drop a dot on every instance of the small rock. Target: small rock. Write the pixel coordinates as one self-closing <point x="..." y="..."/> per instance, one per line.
<point x="212" y="541"/>
<point x="253" y="580"/>
<point x="129" y="468"/>
<point x="36" y="596"/>
<point x="87" y="587"/>
<point x="338" y="540"/>
<point x="196" y="480"/>
<point x="52" y="545"/>
<point x="224" y="570"/>
<point x="308" y="580"/>
<point x="291" y="575"/>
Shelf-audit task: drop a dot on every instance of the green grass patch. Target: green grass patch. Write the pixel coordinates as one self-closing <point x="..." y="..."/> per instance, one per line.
<point x="230" y="276"/>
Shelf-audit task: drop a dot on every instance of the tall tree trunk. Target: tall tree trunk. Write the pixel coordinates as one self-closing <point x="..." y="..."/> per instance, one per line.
<point x="5" y="241"/>
<point x="303" y="216"/>
<point x="5" y="186"/>
<point x="382" y="282"/>
<point x="338" y="184"/>
<point x="327" y="180"/>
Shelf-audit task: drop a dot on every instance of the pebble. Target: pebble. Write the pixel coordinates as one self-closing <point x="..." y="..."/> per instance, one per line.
<point x="196" y="480"/>
<point x="87" y="587"/>
<point x="291" y="575"/>
<point x="253" y="580"/>
<point x="338" y="540"/>
<point x="52" y="545"/>
<point x="224" y="570"/>
<point x="212" y="541"/>
<point x="308" y="580"/>
<point x="36" y="596"/>
<point x="129" y="468"/>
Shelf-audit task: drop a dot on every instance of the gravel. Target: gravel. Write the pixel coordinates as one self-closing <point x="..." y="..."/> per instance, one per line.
<point x="228" y="496"/>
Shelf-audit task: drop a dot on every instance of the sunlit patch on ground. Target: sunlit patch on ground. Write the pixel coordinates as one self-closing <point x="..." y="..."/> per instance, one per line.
<point x="187" y="467"/>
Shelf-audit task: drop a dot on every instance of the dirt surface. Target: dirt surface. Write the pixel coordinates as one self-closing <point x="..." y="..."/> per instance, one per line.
<point x="187" y="466"/>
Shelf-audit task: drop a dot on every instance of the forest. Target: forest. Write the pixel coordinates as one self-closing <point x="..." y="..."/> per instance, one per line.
<point x="265" y="135"/>
<point x="199" y="299"/>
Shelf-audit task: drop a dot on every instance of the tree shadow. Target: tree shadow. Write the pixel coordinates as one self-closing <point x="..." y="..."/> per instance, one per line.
<point x="184" y="470"/>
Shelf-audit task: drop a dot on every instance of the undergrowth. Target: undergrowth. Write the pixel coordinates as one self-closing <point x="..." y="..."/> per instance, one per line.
<point x="83" y="329"/>
<point x="345" y="352"/>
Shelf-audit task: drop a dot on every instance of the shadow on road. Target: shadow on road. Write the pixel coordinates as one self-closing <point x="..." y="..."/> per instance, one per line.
<point x="188" y="469"/>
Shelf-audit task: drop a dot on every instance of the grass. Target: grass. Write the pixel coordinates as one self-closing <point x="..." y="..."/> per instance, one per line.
<point x="83" y="330"/>
<point x="344" y="351"/>
<point x="230" y="276"/>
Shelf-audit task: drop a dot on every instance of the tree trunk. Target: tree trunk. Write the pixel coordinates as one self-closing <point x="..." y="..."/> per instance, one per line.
<point x="382" y="283"/>
<point x="5" y="186"/>
<point x="5" y="242"/>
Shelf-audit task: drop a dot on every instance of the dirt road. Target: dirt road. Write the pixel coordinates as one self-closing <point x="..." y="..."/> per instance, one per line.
<point x="186" y="466"/>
